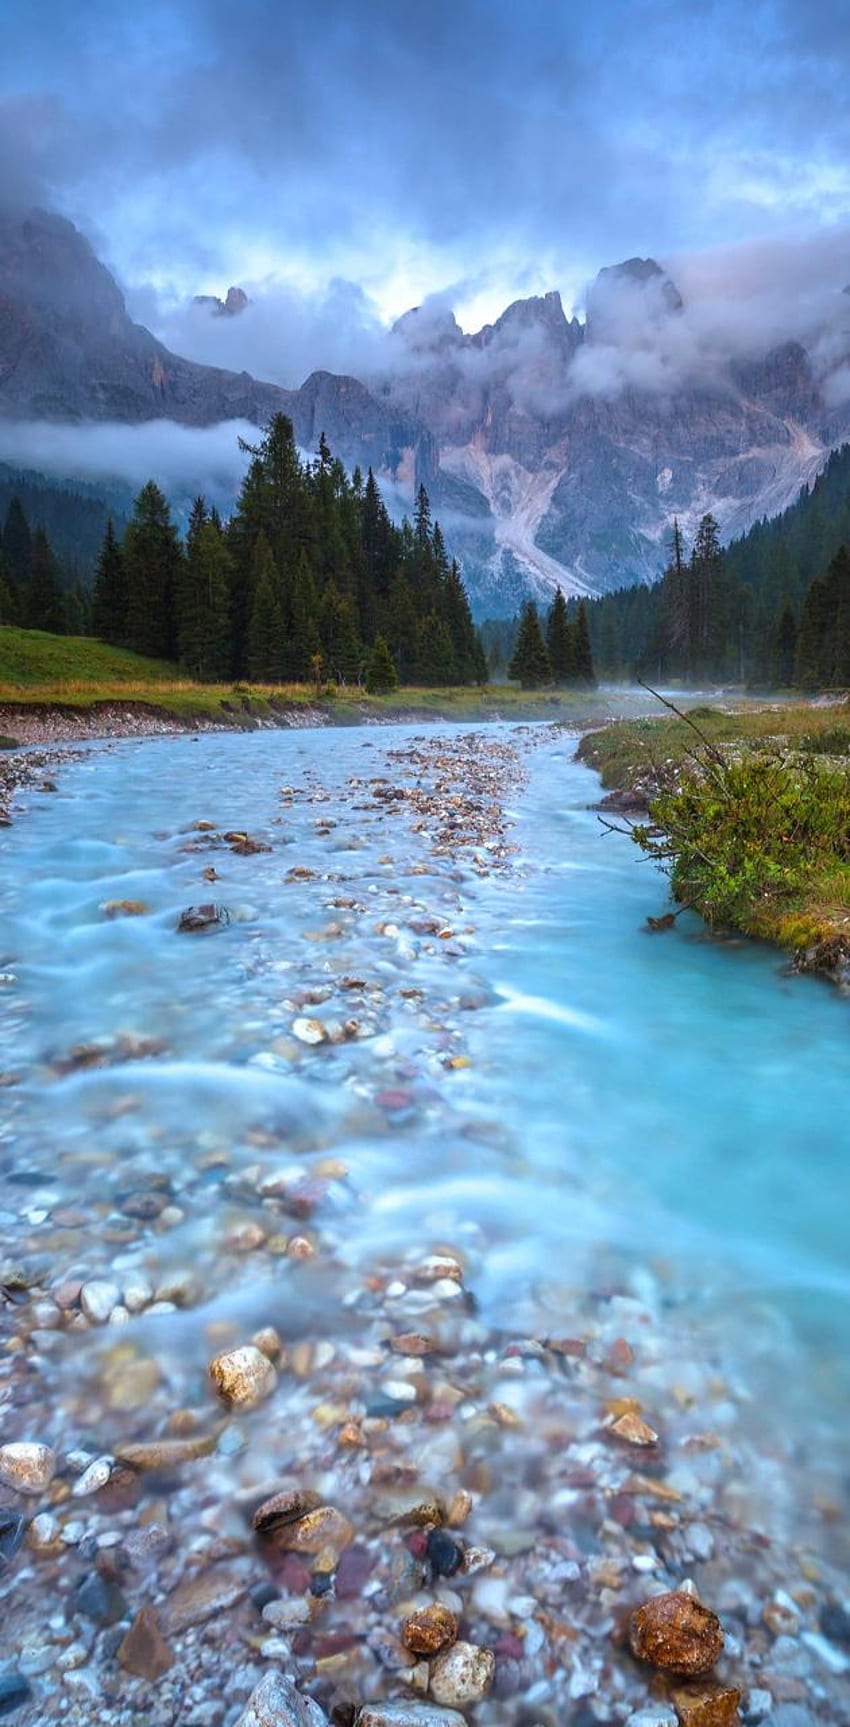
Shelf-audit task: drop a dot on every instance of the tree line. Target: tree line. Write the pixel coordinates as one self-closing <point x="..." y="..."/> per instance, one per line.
<point x="308" y="577"/>
<point x="32" y="592"/>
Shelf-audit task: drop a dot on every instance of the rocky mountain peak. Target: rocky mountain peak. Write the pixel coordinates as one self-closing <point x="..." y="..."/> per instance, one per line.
<point x="629" y="295"/>
<point x="47" y="267"/>
<point x="235" y="302"/>
<point x="429" y="329"/>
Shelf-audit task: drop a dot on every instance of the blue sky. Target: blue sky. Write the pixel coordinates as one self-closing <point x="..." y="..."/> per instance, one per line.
<point x="485" y="147"/>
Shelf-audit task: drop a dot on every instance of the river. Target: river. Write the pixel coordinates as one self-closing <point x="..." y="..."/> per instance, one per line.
<point x="410" y="1041"/>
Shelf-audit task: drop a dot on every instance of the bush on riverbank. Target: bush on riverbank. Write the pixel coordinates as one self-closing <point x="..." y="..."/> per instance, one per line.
<point x="750" y="818"/>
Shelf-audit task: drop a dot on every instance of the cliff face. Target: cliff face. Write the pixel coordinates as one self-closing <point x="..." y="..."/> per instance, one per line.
<point x="555" y="452"/>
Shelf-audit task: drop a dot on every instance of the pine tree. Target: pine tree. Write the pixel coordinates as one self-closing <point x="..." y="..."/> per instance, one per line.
<point x="381" y="675"/>
<point x="109" y="596"/>
<point x="152" y="558"/>
<point x="43" y="603"/>
<point x="17" y="545"/>
<point x="303" y="639"/>
<point x="435" y="660"/>
<point x="340" y="641"/>
<point x="203" y="634"/>
<point x="530" y="663"/>
<point x="585" y="673"/>
<point x="811" y="638"/>
<point x="561" y="642"/>
<point x="265" y="629"/>
<point x="785" y="647"/>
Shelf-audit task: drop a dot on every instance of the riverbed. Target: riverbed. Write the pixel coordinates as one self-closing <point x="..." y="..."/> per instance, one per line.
<point x="424" y="1074"/>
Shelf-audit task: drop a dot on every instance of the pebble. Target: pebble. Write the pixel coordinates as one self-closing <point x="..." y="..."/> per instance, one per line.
<point x="285" y="1507"/>
<point x="715" y="1707"/>
<point x="144" y="1650"/>
<point x="165" y="1453"/>
<point x="657" y="1715"/>
<point x="99" y="1599"/>
<point x="324" y="1528"/>
<point x="675" y="1632"/>
<point x="27" y="1467"/>
<point x="276" y="1703"/>
<point x="97" y="1300"/>
<point x="430" y="1629"/>
<point x="243" y="1376"/>
<point x="408" y="1715"/>
<point x="445" y="1556"/>
<point x="138" y="1294"/>
<point x="199" y="1598"/>
<point x="463" y="1674"/>
<point x="310" y="1031"/>
<point x="93" y="1478"/>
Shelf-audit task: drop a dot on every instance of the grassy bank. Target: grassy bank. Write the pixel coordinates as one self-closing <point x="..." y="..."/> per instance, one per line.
<point x="75" y="675"/>
<point x="750" y="815"/>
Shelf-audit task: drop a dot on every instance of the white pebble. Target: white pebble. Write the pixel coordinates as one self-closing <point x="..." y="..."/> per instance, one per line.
<point x="97" y="1300"/>
<point x="27" y="1467"/>
<point x="93" y="1478"/>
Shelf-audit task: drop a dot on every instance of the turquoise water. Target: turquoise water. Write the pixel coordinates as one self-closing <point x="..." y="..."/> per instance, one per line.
<point x="625" y="1100"/>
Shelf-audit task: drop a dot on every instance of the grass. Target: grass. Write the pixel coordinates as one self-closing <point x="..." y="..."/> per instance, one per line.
<point x="751" y="820"/>
<point x="75" y="672"/>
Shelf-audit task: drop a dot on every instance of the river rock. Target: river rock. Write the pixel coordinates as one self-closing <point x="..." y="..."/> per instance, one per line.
<point x="675" y="1632"/>
<point x="408" y="1715"/>
<point x="430" y="1629"/>
<point x="27" y="1467"/>
<point x="199" y="1598"/>
<point x="144" y="1650"/>
<point x="203" y="917"/>
<point x="97" y="1300"/>
<point x="463" y="1674"/>
<point x="276" y="1703"/>
<point x="320" y="1529"/>
<point x="165" y="1453"/>
<point x="714" y="1706"/>
<point x="285" y="1507"/>
<point x="244" y="1376"/>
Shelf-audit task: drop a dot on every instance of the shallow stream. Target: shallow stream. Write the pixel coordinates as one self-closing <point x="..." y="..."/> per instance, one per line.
<point x="510" y="1066"/>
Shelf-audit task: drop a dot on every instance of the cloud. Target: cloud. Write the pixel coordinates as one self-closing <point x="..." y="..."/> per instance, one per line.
<point x="184" y="460"/>
<point x="410" y="143"/>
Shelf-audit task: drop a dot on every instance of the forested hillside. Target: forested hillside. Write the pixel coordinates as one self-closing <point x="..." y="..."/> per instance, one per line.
<point x="771" y="610"/>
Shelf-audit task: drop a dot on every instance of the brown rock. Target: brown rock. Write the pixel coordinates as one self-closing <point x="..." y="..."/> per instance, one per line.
<point x="430" y="1629"/>
<point x="677" y="1633"/>
<point x="634" y="1431"/>
<point x="165" y="1453"/>
<point x="243" y="1377"/>
<point x="286" y="1507"/>
<point x="320" y="1529"/>
<point x="199" y="1598"/>
<point x="144" y="1650"/>
<point x="413" y="1343"/>
<point x="716" y="1706"/>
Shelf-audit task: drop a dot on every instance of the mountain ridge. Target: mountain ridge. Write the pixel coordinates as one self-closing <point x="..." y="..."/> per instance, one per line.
<point x="555" y="452"/>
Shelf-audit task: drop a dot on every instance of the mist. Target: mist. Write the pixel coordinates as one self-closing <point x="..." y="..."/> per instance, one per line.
<point x="183" y="460"/>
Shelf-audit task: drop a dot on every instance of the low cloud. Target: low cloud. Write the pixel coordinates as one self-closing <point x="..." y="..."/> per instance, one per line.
<point x="183" y="460"/>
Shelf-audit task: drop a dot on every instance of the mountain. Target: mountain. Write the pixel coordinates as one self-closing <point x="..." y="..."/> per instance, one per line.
<point x="554" y="451"/>
<point x="70" y="352"/>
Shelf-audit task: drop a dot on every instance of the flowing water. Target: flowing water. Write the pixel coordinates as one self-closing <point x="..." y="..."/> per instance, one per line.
<point x="580" y="1109"/>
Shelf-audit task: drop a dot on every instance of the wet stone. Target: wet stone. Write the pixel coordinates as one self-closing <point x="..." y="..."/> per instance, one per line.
<point x="463" y="1674"/>
<point x="196" y="918"/>
<point x="285" y="1507"/>
<point x="199" y="1598"/>
<point x="408" y="1715"/>
<point x="444" y="1555"/>
<point x="277" y="1703"/>
<point x="716" y="1706"/>
<point x="99" y="1599"/>
<point x="320" y="1529"/>
<point x="14" y="1691"/>
<point x="97" y="1300"/>
<point x="834" y="1622"/>
<point x="243" y="1377"/>
<point x="430" y="1629"/>
<point x="677" y="1633"/>
<point x="144" y="1650"/>
<point x="27" y="1467"/>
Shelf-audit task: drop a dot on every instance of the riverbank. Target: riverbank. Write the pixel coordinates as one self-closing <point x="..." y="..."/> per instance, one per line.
<point x="749" y="813"/>
<point x="316" y="1134"/>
